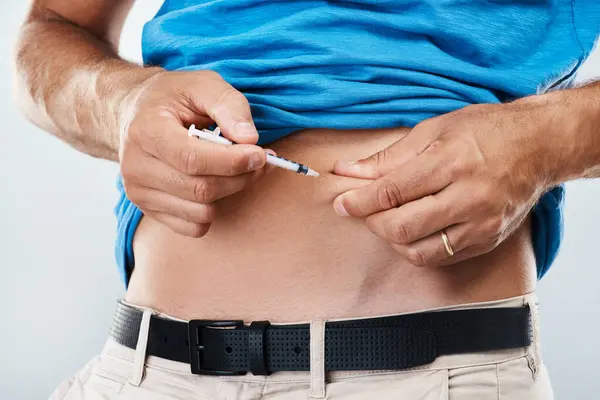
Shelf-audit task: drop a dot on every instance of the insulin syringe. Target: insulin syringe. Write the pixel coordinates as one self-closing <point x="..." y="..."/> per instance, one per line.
<point x="215" y="137"/>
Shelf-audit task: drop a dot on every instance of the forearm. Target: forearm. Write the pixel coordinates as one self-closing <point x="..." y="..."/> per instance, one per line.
<point x="74" y="85"/>
<point x="569" y="133"/>
<point x="584" y="104"/>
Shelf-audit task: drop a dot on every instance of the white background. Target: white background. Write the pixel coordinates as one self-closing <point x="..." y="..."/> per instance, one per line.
<point x="59" y="282"/>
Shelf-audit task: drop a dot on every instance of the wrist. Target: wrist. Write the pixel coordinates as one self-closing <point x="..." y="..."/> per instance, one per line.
<point x="118" y="90"/>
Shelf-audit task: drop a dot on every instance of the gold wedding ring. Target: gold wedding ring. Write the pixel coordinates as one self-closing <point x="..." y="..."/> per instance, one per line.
<point x="447" y="244"/>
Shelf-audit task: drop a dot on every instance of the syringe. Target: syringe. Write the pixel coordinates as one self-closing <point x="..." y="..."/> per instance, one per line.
<point x="215" y="137"/>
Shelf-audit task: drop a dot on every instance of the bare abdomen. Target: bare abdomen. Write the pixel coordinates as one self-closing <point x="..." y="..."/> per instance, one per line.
<point x="279" y="252"/>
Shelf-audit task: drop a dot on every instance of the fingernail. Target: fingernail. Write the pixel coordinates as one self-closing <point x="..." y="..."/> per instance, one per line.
<point x="340" y="209"/>
<point x="245" y="130"/>
<point x="254" y="162"/>
<point x="272" y="152"/>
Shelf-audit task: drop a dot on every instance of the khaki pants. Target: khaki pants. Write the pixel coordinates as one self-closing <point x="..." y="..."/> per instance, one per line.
<point x="125" y="374"/>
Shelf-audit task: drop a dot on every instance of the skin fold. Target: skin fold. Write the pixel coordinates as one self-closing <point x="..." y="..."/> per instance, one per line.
<point x="225" y="236"/>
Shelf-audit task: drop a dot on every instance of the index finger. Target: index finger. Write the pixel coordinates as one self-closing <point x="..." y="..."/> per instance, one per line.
<point x="168" y="141"/>
<point x="421" y="177"/>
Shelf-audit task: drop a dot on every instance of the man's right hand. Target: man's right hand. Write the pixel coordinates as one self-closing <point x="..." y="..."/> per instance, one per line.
<point x="109" y="108"/>
<point x="171" y="177"/>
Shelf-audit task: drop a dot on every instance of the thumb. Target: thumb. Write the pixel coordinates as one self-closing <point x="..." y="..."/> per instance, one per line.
<point x="229" y="108"/>
<point x="392" y="157"/>
<point x="372" y="167"/>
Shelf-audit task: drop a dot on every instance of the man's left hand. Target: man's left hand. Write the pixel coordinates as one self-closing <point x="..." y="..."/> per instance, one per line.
<point x="474" y="173"/>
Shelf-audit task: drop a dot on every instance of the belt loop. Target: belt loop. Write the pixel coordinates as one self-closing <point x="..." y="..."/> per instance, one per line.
<point x="257" y="353"/>
<point x="139" y="359"/>
<point x="317" y="359"/>
<point x="534" y="353"/>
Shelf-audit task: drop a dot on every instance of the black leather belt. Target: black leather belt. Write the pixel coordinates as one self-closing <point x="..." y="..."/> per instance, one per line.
<point x="386" y="343"/>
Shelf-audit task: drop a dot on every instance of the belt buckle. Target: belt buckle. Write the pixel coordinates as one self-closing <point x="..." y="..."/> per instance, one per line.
<point x="196" y="347"/>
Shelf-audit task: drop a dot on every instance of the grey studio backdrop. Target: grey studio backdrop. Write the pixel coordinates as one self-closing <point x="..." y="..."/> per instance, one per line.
<point x="58" y="281"/>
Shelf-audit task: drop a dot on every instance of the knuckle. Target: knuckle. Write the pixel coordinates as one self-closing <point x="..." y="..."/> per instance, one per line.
<point x="388" y="194"/>
<point x="476" y="156"/>
<point x="423" y="125"/>
<point x="380" y="157"/>
<point x="435" y="146"/>
<point x="191" y="162"/>
<point x="209" y="73"/>
<point x="495" y="205"/>
<point x="456" y="169"/>
<point x="204" y="190"/>
<point x="174" y="179"/>
<point x="145" y="135"/>
<point x="138" y="128"/>
<point x="187" y="158"/>
<point x="399" y="233"/>
<point x="488" y="198"/>
<point x="127" y="171"/>
<point x="426" y="126"/>
<point x="159" y="143"/>
<point x="232" y="95"/>
<point x="132" y="133"/>
<point x="238" y="163"/>
<point x="229" y="97"/>
<point x="135" y="126"/>
<point x="135" y="196"/>
<point x="416" y="257"/>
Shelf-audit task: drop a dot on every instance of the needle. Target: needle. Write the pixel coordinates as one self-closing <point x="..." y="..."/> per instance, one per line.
<point x="215" y="137"/>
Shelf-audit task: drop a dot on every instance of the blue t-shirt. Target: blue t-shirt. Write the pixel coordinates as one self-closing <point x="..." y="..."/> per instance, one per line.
<point x="373" y="64"/>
